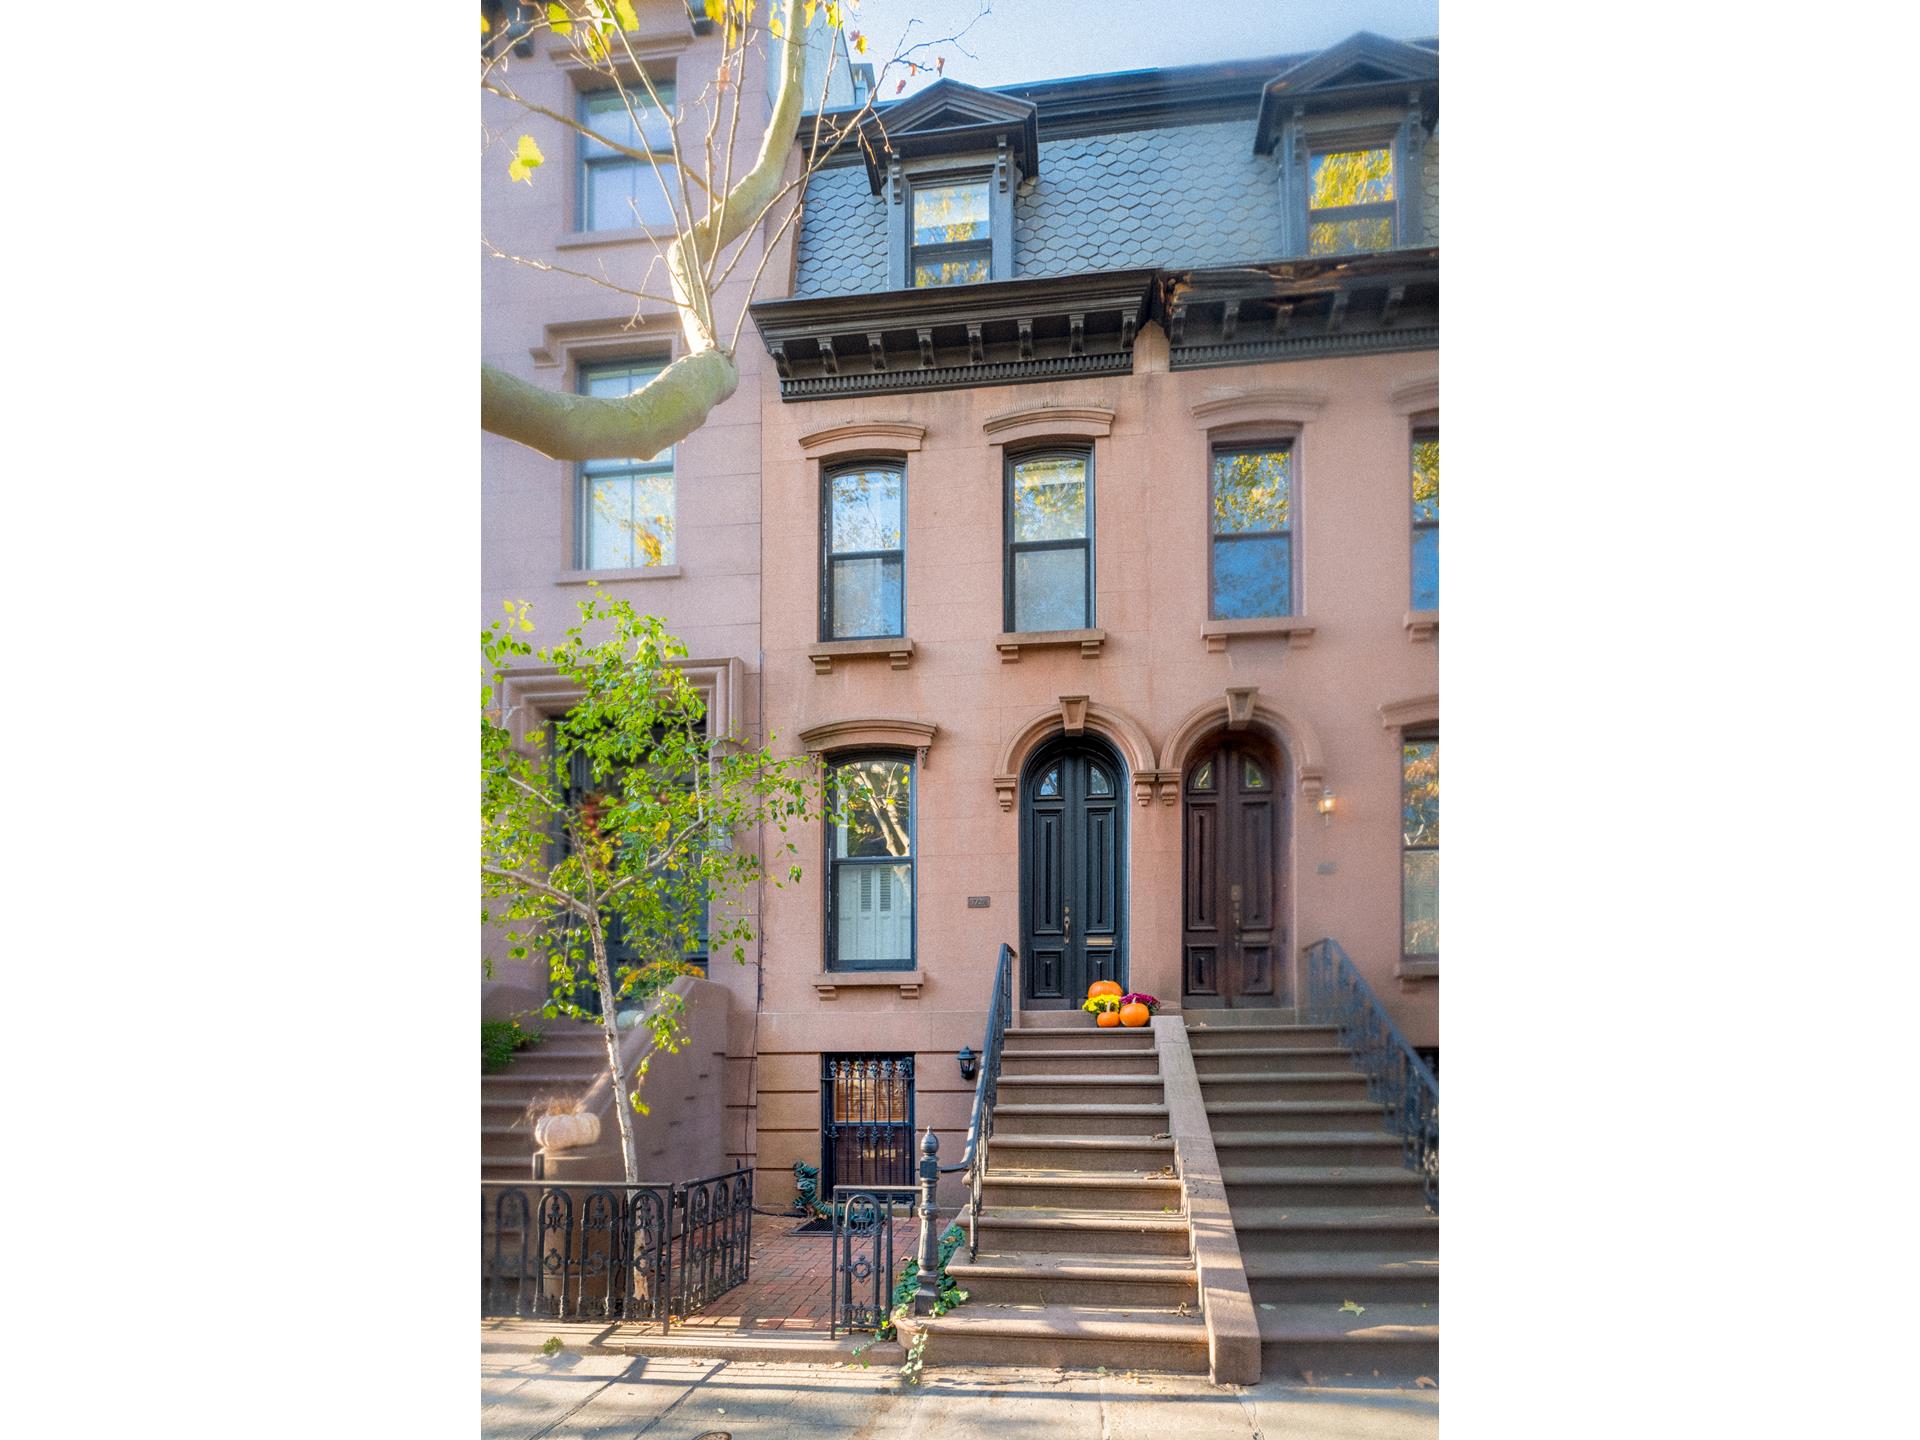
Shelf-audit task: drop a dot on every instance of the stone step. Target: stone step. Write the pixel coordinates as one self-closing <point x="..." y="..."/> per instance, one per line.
<point x="1055" y="1119"/>
<point x="1272" y="1147"/>
<point x="1159" y="1282"/>
<point x="1250" y="1018"/>
<point x="528" y="1079"/>
<point x="1081" y="1089"/>
<point x="1281" y="1278"/>
<point x="1049" y="1231"/>
<point x="1265" y="1037"/>
<point x="1267" y="1060"/>
<point x="1317" y="1185"/>
<point x="1081" y="1037"/>
<point x="1068" y="1061"/>
<point x="1403" y="1231"/>
<point x="1083" y="1153"/>
<point x="1229" y="1117"/>
<point x="1396" y="1340"/>
<point x="1005" y="1189"/>
<point x="1077" y="1337"/>
<point x="1305" y="1085"/>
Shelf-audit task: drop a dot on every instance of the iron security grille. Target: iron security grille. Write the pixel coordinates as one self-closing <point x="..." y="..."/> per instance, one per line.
<point x="866" y="1121"/>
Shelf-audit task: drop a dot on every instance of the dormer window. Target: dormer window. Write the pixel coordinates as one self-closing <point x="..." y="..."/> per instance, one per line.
<point x="952" y="239"/>
<point x="1350" y="201"/>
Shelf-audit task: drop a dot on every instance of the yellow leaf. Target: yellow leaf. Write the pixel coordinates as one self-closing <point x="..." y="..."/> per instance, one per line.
<point x="811" y="6"/>
<point x="1351" y="1308"/>
<point x="624" y="12"/>
<point x="525" y="161"/>
<point x="860" y="44"/>
<point x="775" y="28"/>
<point x="557" y="17"/>
<point x="486" y="25"/>
<point x="714" y="8"/>
<point x="833" y="14"/>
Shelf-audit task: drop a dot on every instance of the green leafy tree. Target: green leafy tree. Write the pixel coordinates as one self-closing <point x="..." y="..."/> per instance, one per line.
<point x="609" y="882"/>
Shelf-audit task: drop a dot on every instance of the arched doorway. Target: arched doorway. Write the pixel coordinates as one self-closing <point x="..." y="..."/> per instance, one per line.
<point x="1073" y="861"/>
<point x="1234" y="940"/>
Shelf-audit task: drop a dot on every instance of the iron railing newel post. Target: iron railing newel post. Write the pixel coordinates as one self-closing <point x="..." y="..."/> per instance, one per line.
<point x="928" y="1289"/>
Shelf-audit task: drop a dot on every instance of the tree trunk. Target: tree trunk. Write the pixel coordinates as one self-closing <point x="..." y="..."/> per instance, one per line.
<point x="610" y="1026"/>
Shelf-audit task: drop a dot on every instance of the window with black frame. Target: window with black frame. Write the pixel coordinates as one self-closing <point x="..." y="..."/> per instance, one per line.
<point x="626" y="506"/>
<point x="1350" y="201"/>
<point x="617" y="191"/>
<point x="1251" y="516"/>
<point x="870" y="866"/>
<point x="866" y="1121"/>
<point x="1426" y="520"/>
<point x="1049" y="526"/>
<point x="862" y="589"/>
<point x="1420" y="847"/>
<point x="950" y="233"/>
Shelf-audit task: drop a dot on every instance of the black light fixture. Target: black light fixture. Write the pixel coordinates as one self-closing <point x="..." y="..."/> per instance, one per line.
<point x="969" y="1063"/>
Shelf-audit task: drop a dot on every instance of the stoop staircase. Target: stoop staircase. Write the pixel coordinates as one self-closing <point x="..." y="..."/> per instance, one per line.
<point x="1084" y="1257"/>
<point x="569" y="1059"/>
<point x="1323" y="1205"/>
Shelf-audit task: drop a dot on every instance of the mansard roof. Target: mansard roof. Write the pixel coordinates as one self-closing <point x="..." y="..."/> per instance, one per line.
<point x="949" y="117"/>
<point x="1364" y="68"/>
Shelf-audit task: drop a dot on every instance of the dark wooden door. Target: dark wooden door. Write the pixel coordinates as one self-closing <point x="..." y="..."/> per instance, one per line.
<point x="1234" y="929"/>
<point x="1072" y="856"/>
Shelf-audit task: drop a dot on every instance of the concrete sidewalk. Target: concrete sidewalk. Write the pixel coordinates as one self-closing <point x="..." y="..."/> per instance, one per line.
<point x="572" y="1396"/>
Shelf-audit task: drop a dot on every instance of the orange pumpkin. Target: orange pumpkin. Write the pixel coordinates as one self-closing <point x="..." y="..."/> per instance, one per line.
<point x="1135" y="1014"/>
<point x="1103" y="987"/>
<point x="1107" y="1018"/>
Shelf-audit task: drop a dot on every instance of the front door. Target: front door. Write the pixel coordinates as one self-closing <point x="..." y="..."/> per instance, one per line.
<point x="1234" y="929"/>
<point x="1072" y="849"/>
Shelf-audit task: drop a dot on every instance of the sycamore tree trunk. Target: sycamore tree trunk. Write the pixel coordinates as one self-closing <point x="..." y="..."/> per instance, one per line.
<point x="610" y="1032"/>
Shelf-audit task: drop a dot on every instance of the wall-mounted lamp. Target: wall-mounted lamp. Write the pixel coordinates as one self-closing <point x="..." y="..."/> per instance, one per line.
<point x="969" y="1063"/>
<point x="1326" y="804"/>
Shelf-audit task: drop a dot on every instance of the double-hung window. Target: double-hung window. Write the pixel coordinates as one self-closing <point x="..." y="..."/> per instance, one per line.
<point x="862" y="593"/>
<point x="1420" y="847"/>
<point x="618" y="192"/>
<point x="950" y="233"/>
<point x="625" y="506"/>
<point x="870" y="864"/>
<point x="1252" y="523"/>
<point x="1350" y="201"/>
<point x="1426" y="520"/>
<point x="1049" y="524"/>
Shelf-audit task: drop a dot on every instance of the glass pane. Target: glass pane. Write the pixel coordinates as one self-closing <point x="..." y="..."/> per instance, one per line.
<point x="1426" y="479"/>
<point x="866" y="510"/>
<point x="1343" y="237"/>
<point x="1252" y="777"/>
<point x="1351" y="177"/>
<point x="1097" y="781"/>
<point x="1203" y="777"/>
<point x="877" y="796"/>
<point x="1420" y="792"/>
<point x="950" y="214"/>
<point x="1420" y="902"/>
<point x="1252" y="491"/>
<point x="1050" y="782"/>
<point x="866" y="598"/>
<point x="873" y="913"/>
<point x="954" y="270"/>
<point x="1426" y="568"/>
<point x="1050" y="590"/>
<point x="1050" y="499"/>
<point x="624" y="193"/>
<point x="605" y="113"/>
<point x="1252" y="577"/>
<point x="608" y="525"/>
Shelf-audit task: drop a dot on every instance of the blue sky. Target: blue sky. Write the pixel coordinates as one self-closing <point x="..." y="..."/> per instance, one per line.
<point x="1044" y="39"/>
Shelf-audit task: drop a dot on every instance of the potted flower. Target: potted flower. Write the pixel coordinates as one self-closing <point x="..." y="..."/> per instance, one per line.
<point x="1137" y="1008"/>
<point x="1105" y="1010"/>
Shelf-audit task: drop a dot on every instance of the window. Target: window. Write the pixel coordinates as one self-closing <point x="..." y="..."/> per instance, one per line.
<point x="861" y="591"/>
<point x="626" y="506"/>
<point x="618" y="192"/>
<point x="1350" y="201"/>
<point x="1426" y="520"/>
<point x="1252" y="516"/>
<point x="870" y="865"/>
<point x="866" y="1121"/>
<point x="1049" y="542"/>
<point x="1420" y="847"/>
<point x="950" y="241"/>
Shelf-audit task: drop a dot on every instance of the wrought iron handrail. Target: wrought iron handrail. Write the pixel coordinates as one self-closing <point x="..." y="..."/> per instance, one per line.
<point x="1338" y="994"/>
<point x="986" y="1094"/>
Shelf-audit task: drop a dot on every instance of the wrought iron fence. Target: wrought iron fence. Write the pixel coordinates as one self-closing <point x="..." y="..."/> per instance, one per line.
<point x="986" y="1095"/>
<point x="1397" y="1078"/>
<point x="863" y="1255"/>
<point x="640" y="1253"/>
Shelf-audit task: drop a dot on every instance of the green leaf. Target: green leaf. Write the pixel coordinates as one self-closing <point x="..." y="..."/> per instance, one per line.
<point x="558" y="18"/>
<point x="623" y="12"/>
<point x="526" y="160"/>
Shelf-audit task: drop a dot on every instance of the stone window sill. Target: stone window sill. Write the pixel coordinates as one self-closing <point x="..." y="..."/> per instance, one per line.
<point x="830" y="983"/>
<point x="898" y="650"/>
<point x="628" y="235"/>
<point x="587" y="577"/>
<point x="1422" y="624"/>
<point x="1420" y="969"/>
<point x="1012" y="642"/>
<point x="1297" y="629"/>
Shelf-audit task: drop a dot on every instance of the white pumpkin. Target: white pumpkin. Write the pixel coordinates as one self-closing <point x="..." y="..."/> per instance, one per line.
<point x="566" y="1132"/>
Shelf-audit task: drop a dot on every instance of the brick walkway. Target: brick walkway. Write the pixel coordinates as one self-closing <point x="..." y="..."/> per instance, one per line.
<point x="790" y="1286"/>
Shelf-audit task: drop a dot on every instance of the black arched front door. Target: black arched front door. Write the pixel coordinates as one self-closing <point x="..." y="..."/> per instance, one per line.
<point x="1072" y="872"/>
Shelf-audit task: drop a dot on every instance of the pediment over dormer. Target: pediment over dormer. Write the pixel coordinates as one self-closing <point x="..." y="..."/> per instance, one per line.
<point x="949" y="118"/>
<point x="1364" y="69"/>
